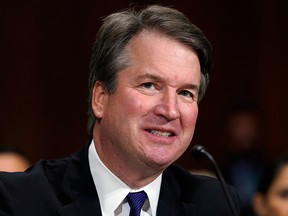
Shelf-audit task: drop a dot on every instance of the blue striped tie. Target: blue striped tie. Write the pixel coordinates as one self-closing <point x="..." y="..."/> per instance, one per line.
<point x="136" y="201"/>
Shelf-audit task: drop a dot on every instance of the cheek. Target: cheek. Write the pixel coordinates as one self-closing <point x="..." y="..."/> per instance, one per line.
<point x="278" y="207"/>
<point x="189" y="116"/>
<point x="136" y="104"/>
<point x="125" y="101"/>
<point x="133" y="105"/>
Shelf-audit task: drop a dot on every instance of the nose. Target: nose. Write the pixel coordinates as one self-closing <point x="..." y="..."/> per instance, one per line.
<point x="168" y="106"/>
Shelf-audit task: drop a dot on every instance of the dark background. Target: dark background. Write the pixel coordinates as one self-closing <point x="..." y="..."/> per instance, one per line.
<point x="45" y="49"/>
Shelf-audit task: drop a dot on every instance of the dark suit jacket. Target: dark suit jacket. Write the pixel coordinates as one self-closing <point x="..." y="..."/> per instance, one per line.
<point x="65" y="187"/>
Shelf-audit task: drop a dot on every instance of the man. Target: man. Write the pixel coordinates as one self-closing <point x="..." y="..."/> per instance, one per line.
<point x="149" y="70"/>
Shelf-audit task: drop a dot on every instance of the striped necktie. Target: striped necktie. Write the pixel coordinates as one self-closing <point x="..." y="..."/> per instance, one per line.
<point x="136" y="201"/>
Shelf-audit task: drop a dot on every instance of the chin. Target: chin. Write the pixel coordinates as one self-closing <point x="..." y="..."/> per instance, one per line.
<point x="160" y="163"/>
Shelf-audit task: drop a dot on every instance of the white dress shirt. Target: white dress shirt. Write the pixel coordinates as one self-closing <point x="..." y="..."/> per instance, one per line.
<point x="112" y="191"/>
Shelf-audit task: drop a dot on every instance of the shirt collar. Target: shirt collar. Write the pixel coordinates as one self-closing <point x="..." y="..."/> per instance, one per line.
<point x="112" y="191"/>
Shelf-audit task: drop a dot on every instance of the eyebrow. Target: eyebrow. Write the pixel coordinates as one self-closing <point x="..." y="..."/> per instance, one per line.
<point x="150" y="76"/>
<point x="158" y="78"/>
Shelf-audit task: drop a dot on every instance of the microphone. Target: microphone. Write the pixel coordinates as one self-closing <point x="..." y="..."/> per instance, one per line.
<point x="199" y="152"/>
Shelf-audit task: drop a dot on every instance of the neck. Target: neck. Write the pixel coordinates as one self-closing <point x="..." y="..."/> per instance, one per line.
<point x="131" y="174"/>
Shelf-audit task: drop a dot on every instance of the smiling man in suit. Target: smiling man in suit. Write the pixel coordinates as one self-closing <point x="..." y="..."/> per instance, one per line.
<point x="149" y="70"/>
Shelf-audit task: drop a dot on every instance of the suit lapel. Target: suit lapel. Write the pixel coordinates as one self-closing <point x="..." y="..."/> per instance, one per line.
<point x="170" y="200"/>
<point x="79" y="189"/>
<point x="84" y="204"/>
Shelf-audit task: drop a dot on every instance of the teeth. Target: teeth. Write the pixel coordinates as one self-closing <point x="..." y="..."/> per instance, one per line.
<point x="161" y="133"/>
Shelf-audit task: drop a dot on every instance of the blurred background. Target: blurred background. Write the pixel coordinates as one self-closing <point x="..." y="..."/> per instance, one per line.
<point x="45" y="49"/>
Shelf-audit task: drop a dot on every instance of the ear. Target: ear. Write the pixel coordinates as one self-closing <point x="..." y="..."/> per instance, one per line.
<point x="258" y="203"/>
<point x="98" y="99"/>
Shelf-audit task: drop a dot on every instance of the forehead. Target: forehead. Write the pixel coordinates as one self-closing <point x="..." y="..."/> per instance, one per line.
<point x="154" y="40"/>
<point x="154" y="51"/>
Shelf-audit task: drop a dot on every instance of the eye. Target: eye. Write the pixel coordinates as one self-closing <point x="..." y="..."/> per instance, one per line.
<point x="149" y="88"/>
<point x="283" y="193"/>
<point x="148" y="85"/>
<point x="188" y="94"/>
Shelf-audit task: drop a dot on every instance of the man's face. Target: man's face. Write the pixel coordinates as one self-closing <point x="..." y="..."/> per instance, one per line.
<point x="277" y="196"/>
<point x="149" y="121"/>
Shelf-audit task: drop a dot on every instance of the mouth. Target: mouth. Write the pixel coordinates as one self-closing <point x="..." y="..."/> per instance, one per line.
<point x="161" y="133"/>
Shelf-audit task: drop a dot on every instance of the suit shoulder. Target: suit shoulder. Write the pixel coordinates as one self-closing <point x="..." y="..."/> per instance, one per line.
<point x="186" y="178"/>
<point x="36" y="178"/>
<point x="22" y="191"/>
<point x="38" y="171"/>
<point x="204" y="191"/>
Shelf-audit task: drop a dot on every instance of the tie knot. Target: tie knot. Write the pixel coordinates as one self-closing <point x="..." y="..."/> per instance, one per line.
<point x="136" y="201"/>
